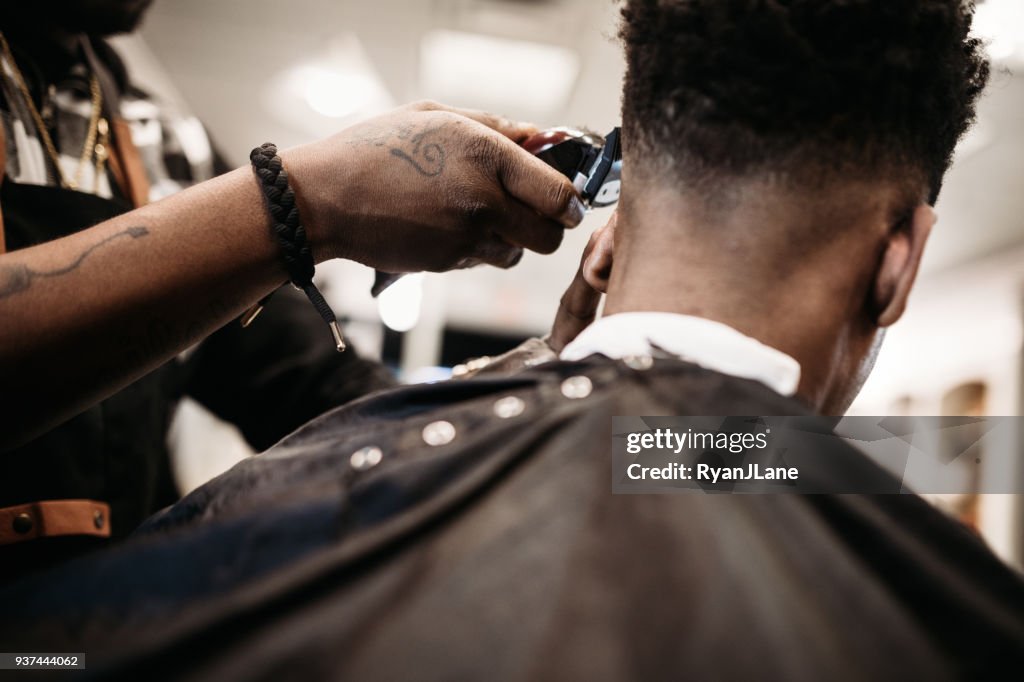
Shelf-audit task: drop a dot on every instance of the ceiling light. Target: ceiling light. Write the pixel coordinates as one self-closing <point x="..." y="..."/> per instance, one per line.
<point x="336" y="84"/>
<point x="485" y="72"/>
<point x="336" y="94"/>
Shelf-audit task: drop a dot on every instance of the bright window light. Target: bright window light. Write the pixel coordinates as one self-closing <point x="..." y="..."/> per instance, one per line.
<point x="502" y="75"/>
<point x="400" y="304"/>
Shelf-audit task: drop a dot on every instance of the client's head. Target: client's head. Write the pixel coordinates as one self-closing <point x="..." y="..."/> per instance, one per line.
<point x="781" y="157"/>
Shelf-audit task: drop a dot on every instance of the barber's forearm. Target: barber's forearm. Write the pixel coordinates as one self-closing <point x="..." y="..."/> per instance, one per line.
<point x="421" y="188"/>
<point x="83" y="316"/>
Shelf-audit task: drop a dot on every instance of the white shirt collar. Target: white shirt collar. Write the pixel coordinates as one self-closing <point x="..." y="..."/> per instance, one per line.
<point x="710" y="344"/>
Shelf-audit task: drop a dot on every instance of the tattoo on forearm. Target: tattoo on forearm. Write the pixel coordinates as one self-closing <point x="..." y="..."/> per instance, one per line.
<point x="17" y="277"/>
<point x="421" y="151"/>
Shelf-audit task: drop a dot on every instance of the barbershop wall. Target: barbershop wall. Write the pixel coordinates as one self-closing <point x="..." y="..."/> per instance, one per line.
<point x="252" y="72"/>
<point x="958" y="350"/>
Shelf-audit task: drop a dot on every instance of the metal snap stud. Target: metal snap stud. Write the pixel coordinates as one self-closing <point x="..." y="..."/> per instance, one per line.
<point x="577" y="387"/>
<point x="22" y="523"/>
<point x="97" y="519"/>
<point x="638" y="362"/>
<point x="366" y="458"/>
<point x="508" y="407"/>
<point x="438" y="433"/>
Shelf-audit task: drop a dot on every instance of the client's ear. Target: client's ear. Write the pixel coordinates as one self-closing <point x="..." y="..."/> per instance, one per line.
<point x="597" y="269"/>
<point x="898" y="268"/>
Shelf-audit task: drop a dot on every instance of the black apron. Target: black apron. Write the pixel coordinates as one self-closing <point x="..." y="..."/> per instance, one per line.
<point x="114" y="452"/>
<point x="266" y="380"/>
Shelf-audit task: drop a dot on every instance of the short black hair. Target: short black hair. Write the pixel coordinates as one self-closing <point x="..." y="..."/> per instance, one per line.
<point x="734" y="87"/>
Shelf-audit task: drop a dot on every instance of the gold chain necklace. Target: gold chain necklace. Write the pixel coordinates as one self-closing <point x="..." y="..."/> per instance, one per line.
<point x="97" y="126"/>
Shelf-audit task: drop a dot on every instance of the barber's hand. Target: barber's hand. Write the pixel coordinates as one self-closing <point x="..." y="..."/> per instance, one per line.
<point x="576" y="311"/>
<point x="578" y="306"/>
<point x="427" y="187"/>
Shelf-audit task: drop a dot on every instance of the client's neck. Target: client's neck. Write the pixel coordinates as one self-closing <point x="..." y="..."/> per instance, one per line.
<point x="680" y="261"/>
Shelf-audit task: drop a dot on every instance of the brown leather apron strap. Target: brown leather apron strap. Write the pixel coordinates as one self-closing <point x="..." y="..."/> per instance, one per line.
<point x="126" y="164"/>
<point x="54" y="518"/>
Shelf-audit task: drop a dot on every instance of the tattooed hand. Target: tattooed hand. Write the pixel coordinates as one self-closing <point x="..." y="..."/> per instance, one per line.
<point x="421" y="150"/>
<point x="427" y="187"/>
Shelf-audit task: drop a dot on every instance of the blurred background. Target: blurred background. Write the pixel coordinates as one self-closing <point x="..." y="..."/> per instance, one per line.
<point x="255" y="70"/>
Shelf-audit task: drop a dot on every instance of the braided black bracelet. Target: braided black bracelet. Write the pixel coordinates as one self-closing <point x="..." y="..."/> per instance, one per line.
<point x="290" y="235"/>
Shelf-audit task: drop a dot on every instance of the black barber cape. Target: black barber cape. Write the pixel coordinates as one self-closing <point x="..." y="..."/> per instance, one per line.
<point x="355" y="550"/>
<point x="268" y="379"/>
